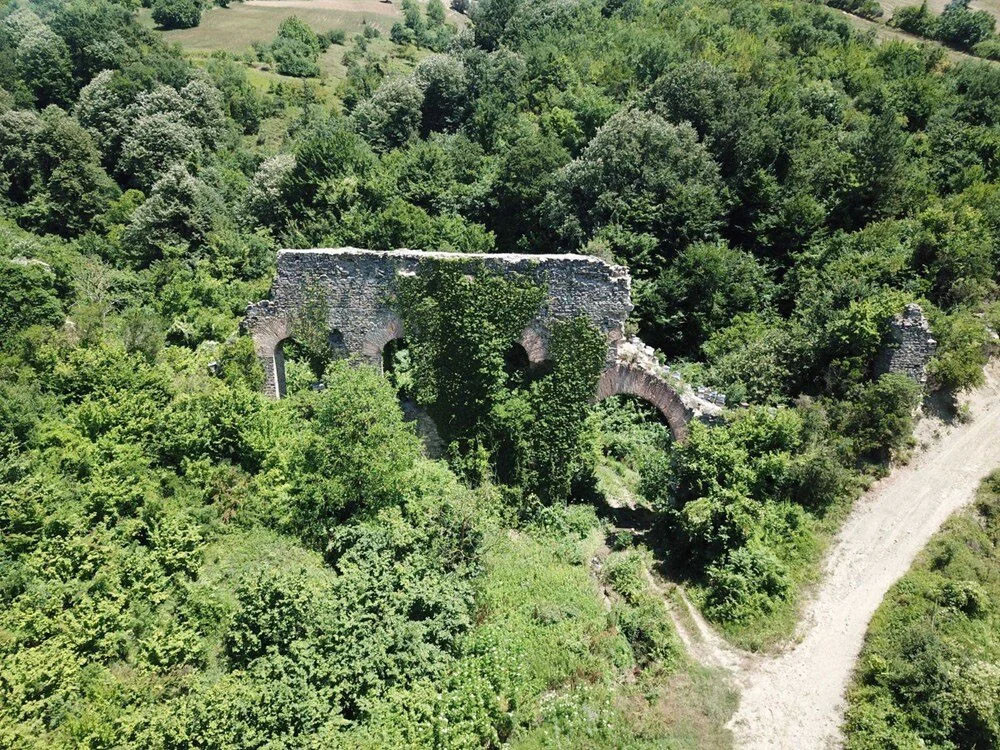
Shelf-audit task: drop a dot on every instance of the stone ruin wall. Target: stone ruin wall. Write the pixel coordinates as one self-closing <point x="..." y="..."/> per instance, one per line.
<point x="359" y="286"/>
<point x="910" y="345"/>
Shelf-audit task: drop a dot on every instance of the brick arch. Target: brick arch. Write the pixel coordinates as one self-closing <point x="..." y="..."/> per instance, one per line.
<point x="534" y="346"/>
<point x="275" y="378"/>
<point x="629" y="380"/>
<point x="390" y="329"/>
<point x="269" y="344"/>
<point x="267" y="340"/>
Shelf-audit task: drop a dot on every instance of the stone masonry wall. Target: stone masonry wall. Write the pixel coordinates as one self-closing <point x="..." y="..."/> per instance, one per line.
<point x="910" y="346"/>
<point x="359" y="287"/>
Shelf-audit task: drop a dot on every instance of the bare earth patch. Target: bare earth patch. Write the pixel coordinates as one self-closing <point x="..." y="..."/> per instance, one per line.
<point x="796" y="698"/>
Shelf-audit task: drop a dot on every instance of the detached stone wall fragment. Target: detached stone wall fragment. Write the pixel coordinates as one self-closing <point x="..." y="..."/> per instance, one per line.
<point x="910" y="345"/>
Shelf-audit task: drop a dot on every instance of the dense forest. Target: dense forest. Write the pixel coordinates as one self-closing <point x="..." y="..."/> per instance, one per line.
<point x="184" y="563"/>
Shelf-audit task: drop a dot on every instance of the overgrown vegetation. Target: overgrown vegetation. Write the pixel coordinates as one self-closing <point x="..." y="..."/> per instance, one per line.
<point x="928" y="674"/>
<point x="744" y="504"/>
<point x="525" y="427"/>
<point x="184" y="563"/>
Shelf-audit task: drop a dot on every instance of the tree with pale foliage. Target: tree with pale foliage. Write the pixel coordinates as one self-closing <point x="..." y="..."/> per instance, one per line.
<point x="181" y="210"/>
<point x="391" y="117"/>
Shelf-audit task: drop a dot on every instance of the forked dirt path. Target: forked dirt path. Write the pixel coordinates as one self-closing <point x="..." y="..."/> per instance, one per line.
<point x="795" y="699"/>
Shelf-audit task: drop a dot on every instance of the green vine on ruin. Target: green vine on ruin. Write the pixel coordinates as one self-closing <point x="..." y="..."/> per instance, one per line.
<point x="461" y="321"/>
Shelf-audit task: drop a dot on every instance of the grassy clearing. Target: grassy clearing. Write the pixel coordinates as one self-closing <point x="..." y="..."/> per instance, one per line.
<point x="233" y="29"/>
<point x="929" y="673"/>
<point x="581" y="685"/>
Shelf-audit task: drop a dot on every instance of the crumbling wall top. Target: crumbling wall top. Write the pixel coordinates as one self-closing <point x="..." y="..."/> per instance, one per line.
<point x="359" y="286"/>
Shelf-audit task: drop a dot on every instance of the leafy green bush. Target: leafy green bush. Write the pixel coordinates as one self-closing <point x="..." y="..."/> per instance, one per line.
<point x="338" y="36"/>
<point x="964" y="28"/>
<point x="728" y="496"/>
<point x="880" y="419"/>
<point x="649" y="631"/>
<point x="27" y="295"/>
<point x="358" y="455"/>
<point x="747" y="584"/>
<point x="988" y="48"/>
<point x="958" y="25"/>
<point x="177" y="14"/>
<point x="966" y="596"/>
<point x="916" y="19"/>
<point x="626" y="573"/>
<point x="296" y="49"/>
<point x="869" y="9"/>
<point x="963" y="349"/>
<point x="752" y="358"/>
<point x="274" y="610"/>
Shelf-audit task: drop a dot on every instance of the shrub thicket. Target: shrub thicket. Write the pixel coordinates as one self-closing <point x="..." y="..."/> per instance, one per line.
<point x="184" y="562"/>
<point x="957" y="26"/>
<point x="177" y="14"/>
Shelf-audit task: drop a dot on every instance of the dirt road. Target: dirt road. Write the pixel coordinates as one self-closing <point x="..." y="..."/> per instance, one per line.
<point x="795" y="699"/>
<point x="371" y="6"/>
<point x="376" y="7"/>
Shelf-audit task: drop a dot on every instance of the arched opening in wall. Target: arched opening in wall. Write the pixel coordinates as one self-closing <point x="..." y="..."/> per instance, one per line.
<point x="521" y="371"/>
<point x="632" y="435"/>
<point x="397" y="366"/>
<point x="301" y="365"/>
<point x="632" y="431"/>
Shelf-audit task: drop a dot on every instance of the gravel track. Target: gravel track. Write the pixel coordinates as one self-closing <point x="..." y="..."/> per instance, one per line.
<point x="794" y="699"/>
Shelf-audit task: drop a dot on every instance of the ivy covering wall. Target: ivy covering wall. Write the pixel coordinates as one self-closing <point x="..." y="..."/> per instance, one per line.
<point x="525" y="428"/>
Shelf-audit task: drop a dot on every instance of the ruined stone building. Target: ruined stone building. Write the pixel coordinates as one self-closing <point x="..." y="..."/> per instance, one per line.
<point x="357" y="288"/>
